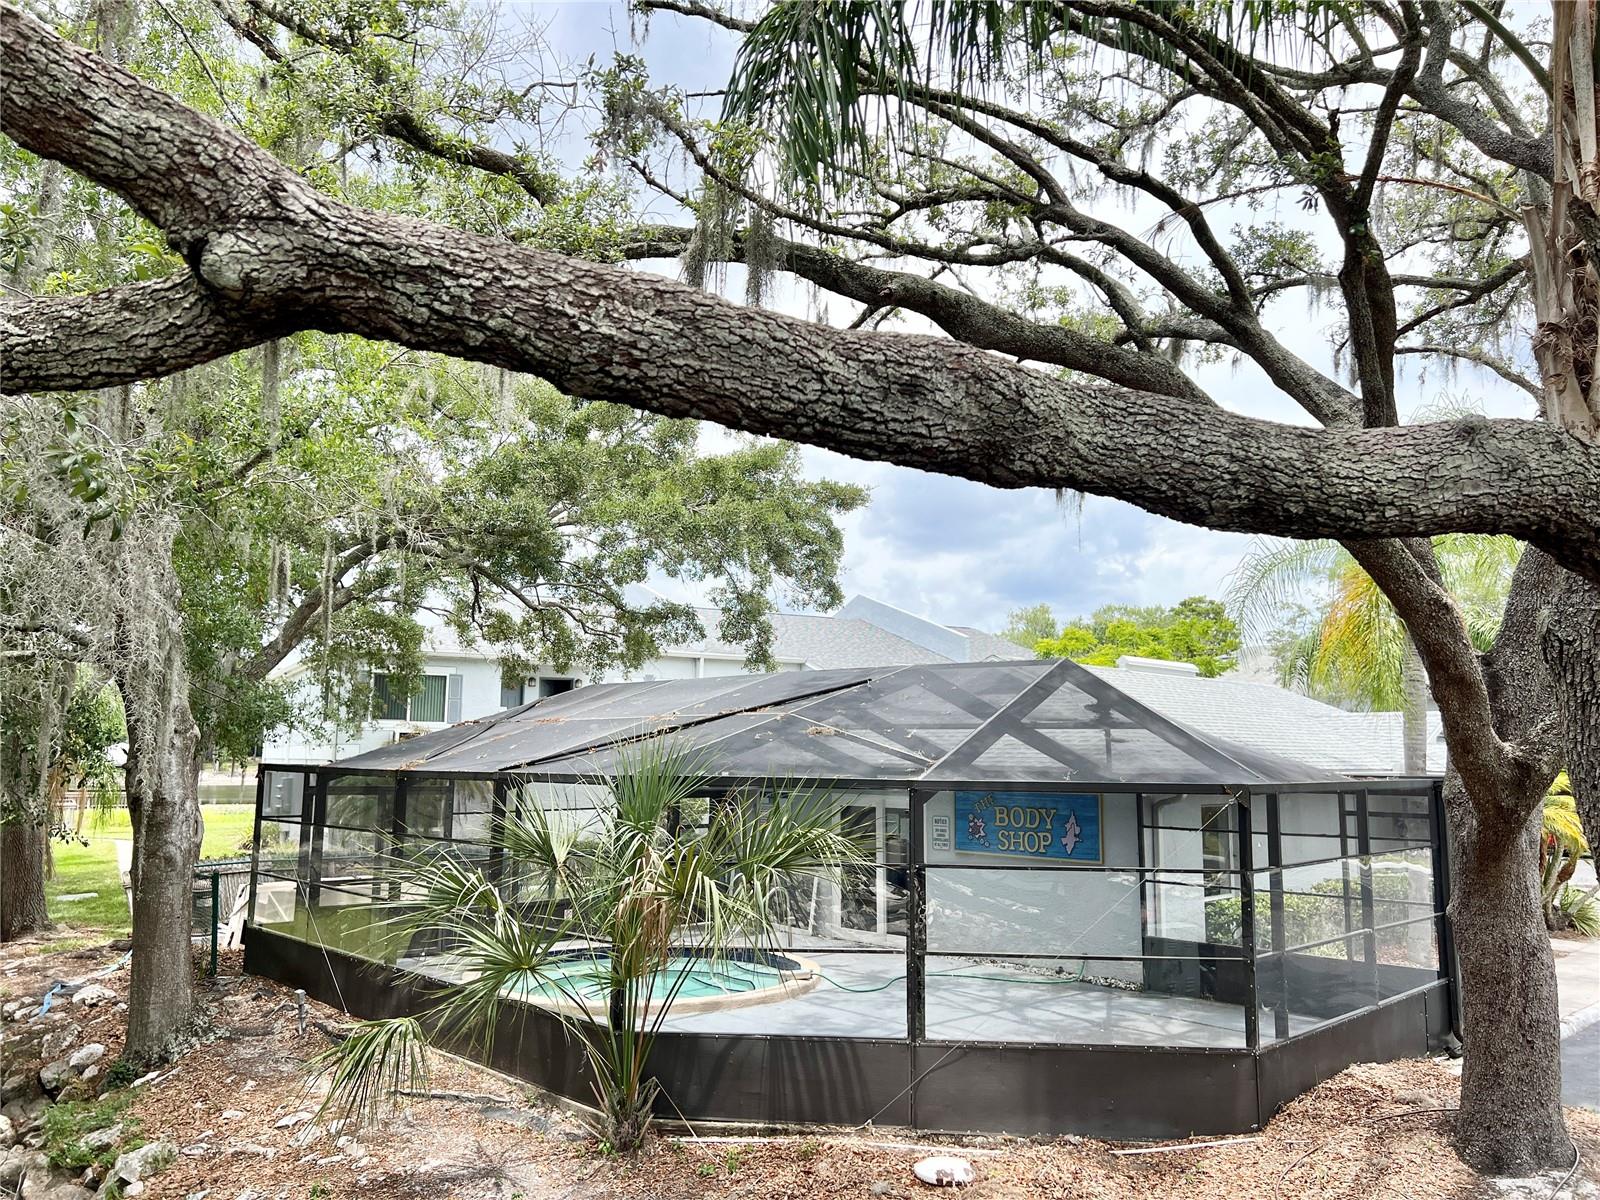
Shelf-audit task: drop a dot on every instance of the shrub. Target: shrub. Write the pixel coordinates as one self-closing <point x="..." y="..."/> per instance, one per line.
<point x="1313" y="918"/>
<point x="67" y="1124"/>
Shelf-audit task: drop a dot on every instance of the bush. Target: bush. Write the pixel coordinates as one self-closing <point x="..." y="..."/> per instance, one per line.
<point x="1580" y="910"/>
<point x="1313" y="918"/>
<point x="67" y="1124"/>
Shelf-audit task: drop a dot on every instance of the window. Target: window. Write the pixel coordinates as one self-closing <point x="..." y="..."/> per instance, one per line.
<point x="425" y="704"/>
<point x="1216" y="848"/>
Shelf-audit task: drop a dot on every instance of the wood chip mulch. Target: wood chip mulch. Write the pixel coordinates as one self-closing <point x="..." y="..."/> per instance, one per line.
<point x="222" y="1101"/>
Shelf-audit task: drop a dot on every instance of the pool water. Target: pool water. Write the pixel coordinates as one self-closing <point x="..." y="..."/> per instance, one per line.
<point x="702" y="978"/>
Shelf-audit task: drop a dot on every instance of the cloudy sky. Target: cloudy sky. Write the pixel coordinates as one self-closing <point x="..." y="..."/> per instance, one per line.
<point x="960" y="552"/>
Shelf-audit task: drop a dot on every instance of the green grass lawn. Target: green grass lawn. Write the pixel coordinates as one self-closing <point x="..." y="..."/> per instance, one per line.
<point x="93" y="868"/>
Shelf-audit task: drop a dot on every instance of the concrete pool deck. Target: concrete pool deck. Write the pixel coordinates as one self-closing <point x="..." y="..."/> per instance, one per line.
<point x="864" y="995"/>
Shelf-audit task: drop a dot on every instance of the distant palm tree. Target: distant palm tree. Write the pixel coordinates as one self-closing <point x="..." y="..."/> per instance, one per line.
<point x="1562" y="845"/>
<point x="595" y="920"/>
<point x="1357" y="650"/>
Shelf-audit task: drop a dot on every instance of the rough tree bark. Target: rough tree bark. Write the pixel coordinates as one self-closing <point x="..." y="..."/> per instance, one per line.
<point x="163" y="802"/>
<point x="1572" y="652"/>
<point x="22" y="902"/>
<point x="1511" y="1083"/>
<point x="28" y="740"/>
<point x="1497" y="711"/>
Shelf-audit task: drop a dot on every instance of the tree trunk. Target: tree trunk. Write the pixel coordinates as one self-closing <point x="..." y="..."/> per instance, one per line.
<point x="163" y="797"/>
<point x="1571" y="645"/>
<point x="1414" y="709"/>
<point x="163" y="805"/>
<point x="1510" y="1121"/>
<point x="22" y="903"/>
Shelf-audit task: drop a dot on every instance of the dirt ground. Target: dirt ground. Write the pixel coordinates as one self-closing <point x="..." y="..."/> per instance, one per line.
<point x="1373" y="1132"/>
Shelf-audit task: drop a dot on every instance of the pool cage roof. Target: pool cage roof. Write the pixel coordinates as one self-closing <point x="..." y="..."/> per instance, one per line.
<point x="970" y="723"/>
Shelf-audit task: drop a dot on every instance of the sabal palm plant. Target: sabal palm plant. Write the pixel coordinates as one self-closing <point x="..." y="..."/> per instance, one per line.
<point x="1357" y="650"/>
<point x="592" y="917"/>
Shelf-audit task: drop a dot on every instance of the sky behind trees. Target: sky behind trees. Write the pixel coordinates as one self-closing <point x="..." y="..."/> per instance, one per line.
<point x="965" y="553"/>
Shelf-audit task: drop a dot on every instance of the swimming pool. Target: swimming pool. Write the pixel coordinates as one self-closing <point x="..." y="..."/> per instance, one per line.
<point x="579" y="982"/>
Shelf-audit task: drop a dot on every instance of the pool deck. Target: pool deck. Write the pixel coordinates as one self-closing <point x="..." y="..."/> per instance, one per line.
<point x="864" y="995"/>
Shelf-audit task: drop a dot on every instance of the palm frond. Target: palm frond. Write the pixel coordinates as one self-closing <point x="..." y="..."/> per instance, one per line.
<point x="1562" y="823"/>
<point x="822" y="78"/>
<point x="370" y="1073"/>
<point x="1581" y="909"/>
<point x="1361" y="647"/>
<point x="1276" y="572"/>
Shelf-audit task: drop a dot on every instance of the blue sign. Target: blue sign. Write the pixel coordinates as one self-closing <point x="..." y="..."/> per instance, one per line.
<point x="1037" y="824"/>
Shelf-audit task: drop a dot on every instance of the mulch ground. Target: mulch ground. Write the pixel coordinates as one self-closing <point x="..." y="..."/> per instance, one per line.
<point x="1371" y="1133"/>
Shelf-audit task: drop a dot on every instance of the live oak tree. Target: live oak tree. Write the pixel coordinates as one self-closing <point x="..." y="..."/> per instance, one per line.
<point x="315" y="498"/>
<point x="981" y="145"/>
<point x="379" y="489"/>
<point x="267" y="252"/>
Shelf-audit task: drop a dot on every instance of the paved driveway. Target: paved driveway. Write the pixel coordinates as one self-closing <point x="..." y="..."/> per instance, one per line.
<point x="1580" y="1067"/>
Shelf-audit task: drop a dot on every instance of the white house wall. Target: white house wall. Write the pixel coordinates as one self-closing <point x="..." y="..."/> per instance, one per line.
<point x="480" y="697"/>
<point x="1074" y="911"/>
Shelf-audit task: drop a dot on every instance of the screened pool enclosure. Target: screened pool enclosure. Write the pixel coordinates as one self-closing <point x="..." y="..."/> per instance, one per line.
<point x="1079" y="915"/>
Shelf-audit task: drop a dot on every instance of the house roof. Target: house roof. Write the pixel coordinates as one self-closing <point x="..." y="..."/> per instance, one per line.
<point x="1042" y="722"/>
<point x="1263" y="714"/>
<point x="822" y="642"/>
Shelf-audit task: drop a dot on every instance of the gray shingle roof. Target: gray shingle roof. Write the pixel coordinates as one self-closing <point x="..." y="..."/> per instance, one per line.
<point x="1270" y="717"/>
<point x="822" y="642"/>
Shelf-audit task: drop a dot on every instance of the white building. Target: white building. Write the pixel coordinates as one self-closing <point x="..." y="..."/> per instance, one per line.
<point x="463" y="683"/>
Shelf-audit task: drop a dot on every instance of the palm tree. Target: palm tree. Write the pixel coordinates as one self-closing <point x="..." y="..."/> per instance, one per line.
<point x="1356" y="650"/>
<point x="1560" y="848"/>
<point x="593" y="919"/>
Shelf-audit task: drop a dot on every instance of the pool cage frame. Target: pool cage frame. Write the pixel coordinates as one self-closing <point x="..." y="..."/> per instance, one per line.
<point x="941" y="1084"/>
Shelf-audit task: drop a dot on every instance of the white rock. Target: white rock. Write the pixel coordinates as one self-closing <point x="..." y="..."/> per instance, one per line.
<point x="144" y="1079"/>
<point x="944" y="1170"/>
<point x="93" y="995"/>
<point x="140" y="1164"/>
<point x="196" y="1150"/>
<point x="231" y="1114"/>
<point x="86" y="1056"/>
<point x="102" y="1139"/>
<point x="8" y="1132"/>
<point x="136" y="1188"/>
<point x="58" y="1043"/>
<point x="90" y="1073"/>
<point x="293" y="1119"/>
<point x="249" y="1085"/>
<point x="53" y="1074"/>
